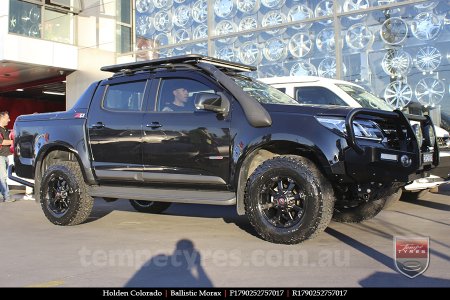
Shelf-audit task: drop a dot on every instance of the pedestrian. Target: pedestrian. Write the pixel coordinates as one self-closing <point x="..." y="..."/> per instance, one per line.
<point x="5" y="144"/>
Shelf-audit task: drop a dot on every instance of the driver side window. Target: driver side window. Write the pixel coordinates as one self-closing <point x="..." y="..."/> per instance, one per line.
<point x="179" y="94"/>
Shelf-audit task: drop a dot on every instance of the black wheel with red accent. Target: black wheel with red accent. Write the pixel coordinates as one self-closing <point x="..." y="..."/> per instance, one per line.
<point x="64" y="196"/>
<point x="288" y="200"/>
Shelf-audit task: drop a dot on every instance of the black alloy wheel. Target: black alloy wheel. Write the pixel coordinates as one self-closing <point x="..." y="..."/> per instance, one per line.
<point x="288" y="200"/>
<point x="282" y="201"/>
<point x="64" y="195"/>
<point x="59" y="195"/>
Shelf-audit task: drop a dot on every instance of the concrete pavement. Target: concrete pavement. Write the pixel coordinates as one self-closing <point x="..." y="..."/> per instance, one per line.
<point x="199" y="245"/>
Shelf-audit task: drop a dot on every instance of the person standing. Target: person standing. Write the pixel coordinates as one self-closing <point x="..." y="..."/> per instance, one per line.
<point x="5" y="143"/>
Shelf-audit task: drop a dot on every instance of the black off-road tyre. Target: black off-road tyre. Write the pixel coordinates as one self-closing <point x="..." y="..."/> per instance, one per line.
<point x="392" y="199"/>
<point x="64" y="195"/>
<point x="288" y="200"/>
<point x="154" y="207"/>
<point x="357" y="214"/>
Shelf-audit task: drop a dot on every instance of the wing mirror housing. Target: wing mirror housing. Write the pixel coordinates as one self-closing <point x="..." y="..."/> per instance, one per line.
<point x="212" y="102"/>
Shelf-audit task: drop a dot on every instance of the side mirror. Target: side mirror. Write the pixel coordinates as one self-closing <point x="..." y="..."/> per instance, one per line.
<point x="211" y="102"/>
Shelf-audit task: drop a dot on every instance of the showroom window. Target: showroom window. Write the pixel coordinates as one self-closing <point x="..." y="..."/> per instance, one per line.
<point x="398" y="50"/>
<point x="25" y="18"/>
<point x="50" y="19"/>
<point x="400" y="53"/>
<point x="58" y="26"/>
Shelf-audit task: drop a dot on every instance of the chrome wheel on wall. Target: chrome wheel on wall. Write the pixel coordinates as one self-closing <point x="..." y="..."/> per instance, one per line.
<point x="398" y="94"/>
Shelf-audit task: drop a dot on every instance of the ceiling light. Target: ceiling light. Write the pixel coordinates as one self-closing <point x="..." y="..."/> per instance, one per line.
<point x="19" y="90"/>
<point x="54" y="93"/>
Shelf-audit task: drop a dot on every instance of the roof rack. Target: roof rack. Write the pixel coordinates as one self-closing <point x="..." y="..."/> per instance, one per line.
<point x="182" y="59"/>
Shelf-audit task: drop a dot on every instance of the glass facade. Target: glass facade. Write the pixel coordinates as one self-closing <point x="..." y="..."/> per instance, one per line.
<point x="58" y="26"/>
<point x="399" y="50"/>
<point x="124" y="26"/>
<point x="25" y="18"/>
<point x="50" y="20"/>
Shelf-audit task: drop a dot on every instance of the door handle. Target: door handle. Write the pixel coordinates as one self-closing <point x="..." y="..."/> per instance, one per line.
<point x="154" y="125"/>
<point x="98" y="125"/>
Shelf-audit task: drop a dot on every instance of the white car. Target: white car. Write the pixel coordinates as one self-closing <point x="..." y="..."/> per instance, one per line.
<point x="325" y="91"/>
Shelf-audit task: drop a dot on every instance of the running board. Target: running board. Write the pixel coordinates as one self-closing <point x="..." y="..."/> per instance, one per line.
<point x="164" y="195"/>
<point x="17" y="179"/>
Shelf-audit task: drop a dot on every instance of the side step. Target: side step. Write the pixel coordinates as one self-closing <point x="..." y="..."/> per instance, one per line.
<point x="164" y="195"/>
<point x="17" y="179"/>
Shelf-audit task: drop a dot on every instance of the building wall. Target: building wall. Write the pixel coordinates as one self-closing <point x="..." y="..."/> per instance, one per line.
<point x="4" y="5"/>
<point x="90" y="60"/>
<point x="87" y="42"/>
<point x="96" y="37"/>
<point x="37" y="51"/>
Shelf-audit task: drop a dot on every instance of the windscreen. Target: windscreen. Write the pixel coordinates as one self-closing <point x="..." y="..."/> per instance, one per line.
<point x="364" y="98"/>
<point x="262" y="92"/>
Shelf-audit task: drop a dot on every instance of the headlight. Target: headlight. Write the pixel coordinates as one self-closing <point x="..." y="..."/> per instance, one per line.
<point x="419" y="134"/>
<point x="364" y="129"/>
<point x="431" y="136"/>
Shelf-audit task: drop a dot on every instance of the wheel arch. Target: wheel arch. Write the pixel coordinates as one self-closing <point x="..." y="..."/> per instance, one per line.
<point x="267" y="151"/>
<point x="50" y="154"/>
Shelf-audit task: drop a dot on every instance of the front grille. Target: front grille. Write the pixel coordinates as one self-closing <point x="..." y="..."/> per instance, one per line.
<point x="397" y="131"/>
<point x="391" y="132"/>
<point x="442" y="142"/>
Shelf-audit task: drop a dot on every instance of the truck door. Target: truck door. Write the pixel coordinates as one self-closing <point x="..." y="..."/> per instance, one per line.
<point x="115" y="129"/>
<point x="182" y="144"/>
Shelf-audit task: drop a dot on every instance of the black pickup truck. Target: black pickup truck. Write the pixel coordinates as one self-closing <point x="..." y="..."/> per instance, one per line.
<point x="231" y="140"/>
